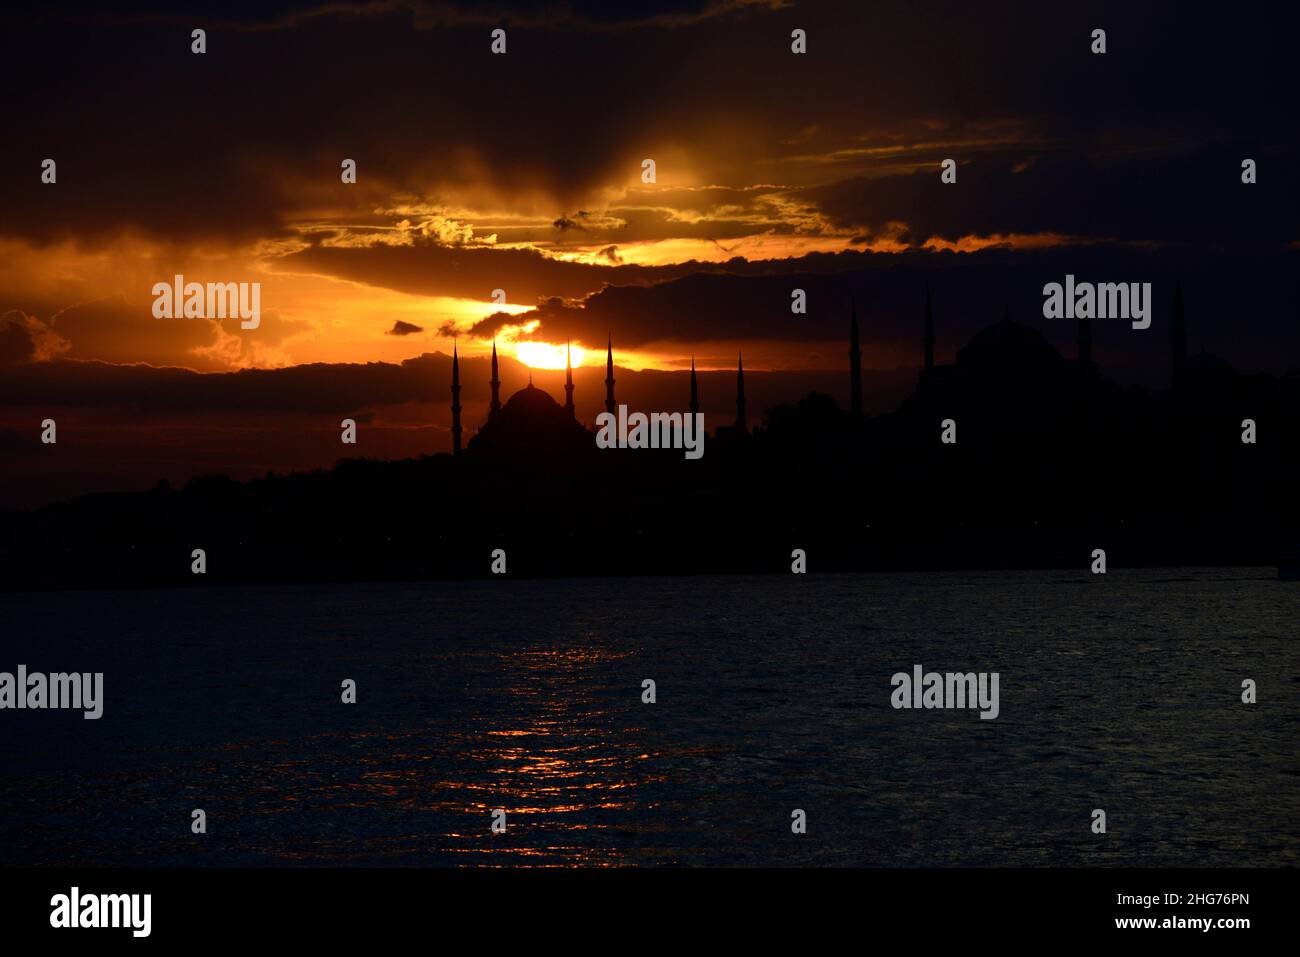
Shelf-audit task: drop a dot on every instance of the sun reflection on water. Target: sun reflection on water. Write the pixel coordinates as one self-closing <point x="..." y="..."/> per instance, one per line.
<point x="551" y="741"/>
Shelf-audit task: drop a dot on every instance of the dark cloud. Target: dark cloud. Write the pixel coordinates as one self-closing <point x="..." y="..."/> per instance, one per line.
<point x="15" y="443"/>
<point x="723" y="94"/>
<point x="314" y="387"/>
<point x="1243" y="308"/>
<point x="25" y="338"/>
<point x="117" y="331"/>
<point x="401" y="328"/>
<point x="428" y="14"/>
<point x="1179" y="194"/>
<point x="17" y="342"/>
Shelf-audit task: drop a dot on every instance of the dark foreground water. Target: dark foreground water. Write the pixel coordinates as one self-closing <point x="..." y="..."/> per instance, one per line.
<point x="1121" y="693"/>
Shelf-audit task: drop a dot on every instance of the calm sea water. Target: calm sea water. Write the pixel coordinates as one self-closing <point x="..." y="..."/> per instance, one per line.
<point x="1120" y="693"/>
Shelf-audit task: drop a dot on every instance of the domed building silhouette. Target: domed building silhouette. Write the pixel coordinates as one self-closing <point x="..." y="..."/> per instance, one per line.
<point x="1007" y="359"/>
<point x="1008" y="348"/>
<point x="530" y="425"/>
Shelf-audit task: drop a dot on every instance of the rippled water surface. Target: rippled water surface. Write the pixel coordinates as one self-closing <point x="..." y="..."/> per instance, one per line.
<point x="1120" y="693"/>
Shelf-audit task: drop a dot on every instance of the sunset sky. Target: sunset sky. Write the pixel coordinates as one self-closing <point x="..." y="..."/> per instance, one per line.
<point x="523" y="172"/>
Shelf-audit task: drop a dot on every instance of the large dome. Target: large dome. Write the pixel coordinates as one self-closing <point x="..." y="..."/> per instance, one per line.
<point x="530" y="423"/>
<point x="1008" y="345"/>
<point x="1207" y="364"/>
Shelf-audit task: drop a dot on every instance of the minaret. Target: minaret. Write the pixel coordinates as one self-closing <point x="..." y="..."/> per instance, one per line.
<point x="455" y="401"/>
<point x="695" y="389"/>
<point x="1085" y="342"/>
<point x="740" y="395"/>
<point x="495" y="408"/>
<point x="855" y="365"/>
<point x="610" y="406"/>
<point x="1178" y="337"/>
<point x="568" y="382"/>
<point x="929" y="333"/>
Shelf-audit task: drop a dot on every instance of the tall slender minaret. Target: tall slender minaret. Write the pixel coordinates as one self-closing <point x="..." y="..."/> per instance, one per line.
<point x="695" y="389"/>
<point x="855" y="365"/>
<point x="1085" y="342"/>
<point x="495" y="408"/>
<point x="568" y="381"/>
<point x="929" y="333"/>
<point x="455" y="401"/>
<point x="740" y="394"/>
<point x="610" y="406"/>
<point x="1178" y="337"/>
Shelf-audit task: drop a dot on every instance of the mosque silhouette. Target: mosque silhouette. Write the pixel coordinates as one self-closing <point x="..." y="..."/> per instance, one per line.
<point x="1049" y="461"/>
<point x="1004" y="359"/>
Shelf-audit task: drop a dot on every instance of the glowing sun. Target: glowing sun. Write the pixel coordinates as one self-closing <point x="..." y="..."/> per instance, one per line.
<point x="543" y="355"/>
